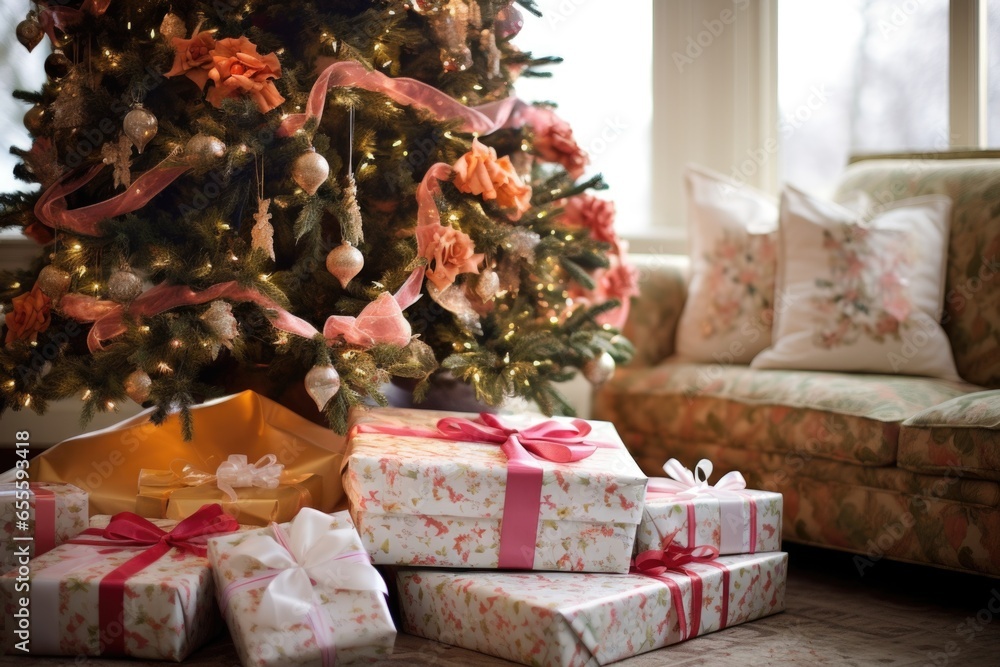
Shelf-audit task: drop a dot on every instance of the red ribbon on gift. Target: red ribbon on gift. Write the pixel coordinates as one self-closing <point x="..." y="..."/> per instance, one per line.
<point x="551" y="440"/>
<point x="655" y="562"/>
<point x="45" y="518"/>
<point x="131" y="530"/>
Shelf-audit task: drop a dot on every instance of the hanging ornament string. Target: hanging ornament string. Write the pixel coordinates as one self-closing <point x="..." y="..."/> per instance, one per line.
<point x="351" y="228"/>
<point x="262" y="234"/>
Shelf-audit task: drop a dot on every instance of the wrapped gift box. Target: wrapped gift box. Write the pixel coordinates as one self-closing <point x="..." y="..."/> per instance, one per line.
<point x="163" y="494"/>
<point x="119" y="597"/>
<point x="561" y="619"/>
<point x="689" y="511"/>
<point x="301" y="593"/>
<point x="107" y="463"/>
<point x="418" y="499"/>
<point x="54" y="513"/>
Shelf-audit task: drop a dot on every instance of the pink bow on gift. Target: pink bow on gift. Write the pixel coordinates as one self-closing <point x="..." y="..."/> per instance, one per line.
<point x="655" y="562"/>
<point x="683" y="482"/>
<point x="381" y="321"/>
<point x="559" y="442"/>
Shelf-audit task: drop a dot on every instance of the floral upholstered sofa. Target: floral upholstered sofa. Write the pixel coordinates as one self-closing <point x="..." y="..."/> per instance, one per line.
<point x="885" y="466"/>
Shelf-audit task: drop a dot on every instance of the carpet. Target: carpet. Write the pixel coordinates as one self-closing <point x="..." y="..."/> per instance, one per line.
<point x="894" y="615"/>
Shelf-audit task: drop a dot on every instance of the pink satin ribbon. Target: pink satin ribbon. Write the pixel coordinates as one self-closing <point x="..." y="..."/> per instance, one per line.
<point x="551" y="440"/>
<point x="45" y="519"/>
<point x="324" y="639"/>
<point x="109" y="317"/>
<point x="654" y="563"/>
<point x="63" y="17"/>
<point x="51" y="208"/>
<point x="483" y="119"/>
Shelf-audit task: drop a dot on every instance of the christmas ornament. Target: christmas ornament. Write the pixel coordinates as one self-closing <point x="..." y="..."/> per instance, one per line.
<point x="57" y="65"/>
<point x="449" y="29"/>
<point x="310" y="171"/>
<point x="140" y="126"/>
<point x="124" y="286"/>
<point x="53" y="282"/>
<point x="203" y="149"/>
<point x="344" y="262"/>
<point x="488" y="285"/>
<point x="29" y="31"/>
<point x="509" y="22"/>
<point x="599" y="370"/>
<point x="138" y="385"/>
<point x="34" y="119"/>
<point x="119" y="155"/>
<point x="262" y="234"/>
<point x="68" y="108"/>
<point x="172" y="26"/>
<point x="220" y="321"/>
<point x="322" y="384"/>
<point x="351" y="226"/>
<point x="488" y="45"/>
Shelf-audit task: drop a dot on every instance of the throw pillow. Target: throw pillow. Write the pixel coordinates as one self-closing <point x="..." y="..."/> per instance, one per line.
<point x="861" y="292"/>
<point x="728" y="311"/>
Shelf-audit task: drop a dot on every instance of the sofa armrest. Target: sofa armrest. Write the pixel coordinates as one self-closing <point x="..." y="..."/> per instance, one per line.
<point x="653" y="318"/>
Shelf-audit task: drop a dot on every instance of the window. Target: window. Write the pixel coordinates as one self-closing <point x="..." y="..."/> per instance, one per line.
<point x="604" y="91"/>
<point x="993" y="74"/>
<point x="18" y="70"/>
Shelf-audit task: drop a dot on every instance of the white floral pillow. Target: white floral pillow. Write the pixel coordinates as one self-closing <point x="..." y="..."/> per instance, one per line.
<point x="861" y="292"/>
<point x="729" y="308"/>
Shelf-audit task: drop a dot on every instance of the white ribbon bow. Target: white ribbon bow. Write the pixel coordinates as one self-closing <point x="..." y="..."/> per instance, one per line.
<point x="687" y="483"/>
<point x="237" y="473"/>
<point x="334" y="559"/>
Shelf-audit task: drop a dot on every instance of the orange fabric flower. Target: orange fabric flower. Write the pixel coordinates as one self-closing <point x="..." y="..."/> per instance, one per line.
<point x="30" y="316"/>
<point x="479" y="172"/>
<point x="448" y="251"/>
<point x="554" y="142"/>
<point x="193" y="57"/>
<point x="237" y="69"/>
<point x="594" y="214"/>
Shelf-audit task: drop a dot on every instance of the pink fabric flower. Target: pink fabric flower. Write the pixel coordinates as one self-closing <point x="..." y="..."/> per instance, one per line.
<point x="237" y="69"/>
<point x="448" y="252"/>
<point x="554" y="142"/>
<point x="480" y="172"/>
<point x="193" y="57"/>
<point x="596" y="215"/>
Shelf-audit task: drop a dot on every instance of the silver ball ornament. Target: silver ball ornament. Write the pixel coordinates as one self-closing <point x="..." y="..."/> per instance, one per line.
<point x="344" y="262"/>
<point x="488" y="285"/>
<point x="140" y="126"/>
<point x="599" y="370"/>
<point x="310" y="171"/>
<point x="124" y="286"/>
<point x="322" y="384"/>
<point x="204" y="149"/>
<point x="53" y="282"/>
<point x="172" y="26"/>
<point x="138" y="385"/>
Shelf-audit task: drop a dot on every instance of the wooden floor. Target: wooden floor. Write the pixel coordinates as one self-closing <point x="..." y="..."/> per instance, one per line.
<point x="895" y="615"/>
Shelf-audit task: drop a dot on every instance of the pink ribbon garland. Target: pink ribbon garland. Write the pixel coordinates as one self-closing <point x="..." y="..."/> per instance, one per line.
<point x="483" y="119"/>
<point x="51" y="208"/>
<point x="551" y="440"/>
<point x="45" y="519"/>
<point x="51" y="18"/>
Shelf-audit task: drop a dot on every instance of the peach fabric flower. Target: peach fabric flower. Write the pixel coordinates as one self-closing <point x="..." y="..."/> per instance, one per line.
<point x="193" y="57"/>
<point x="596" y="215"/>
<point x="30" y="316"/>
<point x="554" y="142"/>
<point x="479" y="172"/>
<point x="237" y="69"/>
<point x="448" y="251"/>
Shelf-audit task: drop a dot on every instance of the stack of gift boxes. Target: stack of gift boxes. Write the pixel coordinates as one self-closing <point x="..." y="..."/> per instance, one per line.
<point x="531" y="539"/>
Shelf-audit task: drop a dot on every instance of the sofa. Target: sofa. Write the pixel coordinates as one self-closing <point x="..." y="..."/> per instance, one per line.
<point x="884" y="466"/>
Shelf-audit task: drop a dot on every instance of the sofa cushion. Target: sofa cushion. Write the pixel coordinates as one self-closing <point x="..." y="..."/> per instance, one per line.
<point x="961" y="436"/>
<point x="838" y="416"/>
<point x="972" y="296"/>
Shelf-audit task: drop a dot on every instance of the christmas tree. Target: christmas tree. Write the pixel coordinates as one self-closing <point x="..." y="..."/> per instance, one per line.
<point x="324" y="193"/>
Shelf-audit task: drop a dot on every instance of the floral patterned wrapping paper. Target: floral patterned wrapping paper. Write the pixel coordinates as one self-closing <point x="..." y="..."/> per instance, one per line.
<point x="578" y="620"/>
<point x="70" y="519"/>
<point x="359" y="621"/>
<point x="169" y="606"/>
<point x="423" y="501"/>
<point x="720" y="522"/>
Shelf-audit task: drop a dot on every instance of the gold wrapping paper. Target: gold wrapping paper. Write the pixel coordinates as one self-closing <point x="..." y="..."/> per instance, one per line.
<point x="106" y="463"/>
<point x="252" y="507"/>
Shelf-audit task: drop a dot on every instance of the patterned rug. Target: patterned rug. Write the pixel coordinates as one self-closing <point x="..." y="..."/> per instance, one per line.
<point x="894" y="615"/>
